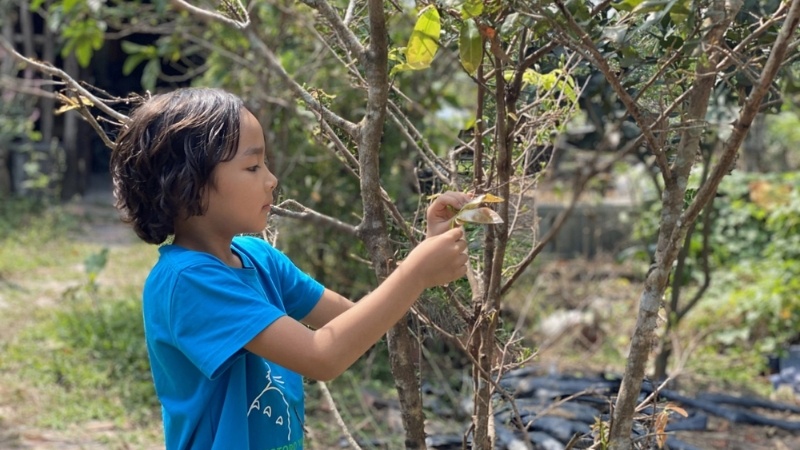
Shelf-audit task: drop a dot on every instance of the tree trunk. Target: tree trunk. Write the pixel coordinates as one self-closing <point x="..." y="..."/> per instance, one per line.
<point x="373" y="226"/>
<point x="667" y="247"/>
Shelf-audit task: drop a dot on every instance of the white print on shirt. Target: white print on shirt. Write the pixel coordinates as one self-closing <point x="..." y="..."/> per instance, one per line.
<point x="280" y="419"/>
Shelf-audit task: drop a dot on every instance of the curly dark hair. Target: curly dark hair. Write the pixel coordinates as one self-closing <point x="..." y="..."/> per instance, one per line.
<point x="165" y="154"/>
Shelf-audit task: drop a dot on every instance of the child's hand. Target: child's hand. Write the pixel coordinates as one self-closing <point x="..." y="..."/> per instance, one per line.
<point x="442" y="210"/>
<point x="439" y="259"/>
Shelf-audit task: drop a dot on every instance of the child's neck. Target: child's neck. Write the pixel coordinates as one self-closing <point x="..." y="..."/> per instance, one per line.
<point x="219" y="248"/>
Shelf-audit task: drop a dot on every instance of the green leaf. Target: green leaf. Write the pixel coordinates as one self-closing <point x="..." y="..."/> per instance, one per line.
<point x="513" y="24"/>
<point x="83" y="52"/>
<point x="627" y="5"/>
<point x="68" y="5"/>
<point x="649" y="6"/>
<point x="555" y="79"/>
<point x="36" y="4"/>
<point x="402" y="68"/>
<point x="424" y="41"/>
<point x="472" y="8"/>
<point x="150" y="74"/>
<point x="96" y="262"/>
<point x="470" y="47"/>
<point x="131" y="62"/>
<point x="132" y="48"/>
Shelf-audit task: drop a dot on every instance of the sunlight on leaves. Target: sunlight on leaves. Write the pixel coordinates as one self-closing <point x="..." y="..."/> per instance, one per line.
<point x="423" y="43"/>
<point x="470" y="47"/>
<point x="546" y="81"/>
<point x="471" y="8"/>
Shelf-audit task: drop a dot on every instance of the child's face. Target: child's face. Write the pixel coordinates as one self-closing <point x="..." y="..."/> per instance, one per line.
<point x="241" y="196"/>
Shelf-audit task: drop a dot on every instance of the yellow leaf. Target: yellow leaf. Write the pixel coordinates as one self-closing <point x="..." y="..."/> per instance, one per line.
<point x="424" y="41"/>
<point x="489" y="198"/>
<point x="483" y="198"/>
<point x="65" y="108"/>
<point x="70" y="103"/>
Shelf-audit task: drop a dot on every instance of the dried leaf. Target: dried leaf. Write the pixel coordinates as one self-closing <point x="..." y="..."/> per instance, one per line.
<point x="483" y="198"/>
<point x="479" y="215"/>
<point x="676" y="408"/>
<point x="71" y="103"/>
<point x="660" y="426"/>
<point x="489" y="198"/>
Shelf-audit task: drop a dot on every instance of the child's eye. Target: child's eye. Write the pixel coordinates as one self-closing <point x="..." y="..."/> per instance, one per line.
<point x="253" y="168"/>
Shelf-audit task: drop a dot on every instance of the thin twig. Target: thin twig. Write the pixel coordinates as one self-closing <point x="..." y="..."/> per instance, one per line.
<point x="211" y="15"/>
<point x="329" y="398"/>
<point x="50" y="70"/>
<point x="311" y="215"/>
<point x="348" y="39"/>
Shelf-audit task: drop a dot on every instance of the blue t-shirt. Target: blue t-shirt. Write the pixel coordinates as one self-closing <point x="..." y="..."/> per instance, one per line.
<point x="198" y="315"/>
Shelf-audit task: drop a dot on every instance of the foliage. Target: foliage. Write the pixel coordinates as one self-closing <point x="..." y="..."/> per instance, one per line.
<point x="78" y="25"/>
<point x="15" y="121"/>
<point x="783" y="141"/>
<point x="423" y="43"/>
<point x="17" y="134"/>
<point x="759" y="276"/>
<point x="90" y="355"/>
<point x="755" y="260"/>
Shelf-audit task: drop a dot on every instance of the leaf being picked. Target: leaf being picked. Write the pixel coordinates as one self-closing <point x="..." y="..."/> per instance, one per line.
<point x="481" y="199"/>
<point x="478" y="215"/>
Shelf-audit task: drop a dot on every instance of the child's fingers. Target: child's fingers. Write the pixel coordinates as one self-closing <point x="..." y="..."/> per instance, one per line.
<point x="455" y="200"/>
<point x="456" y="234"/>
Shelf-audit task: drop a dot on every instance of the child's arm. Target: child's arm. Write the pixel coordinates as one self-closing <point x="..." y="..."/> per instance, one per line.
<point x="325" y="353"/>
<point x="330" y="305"/>
<point x="439" y="217"/>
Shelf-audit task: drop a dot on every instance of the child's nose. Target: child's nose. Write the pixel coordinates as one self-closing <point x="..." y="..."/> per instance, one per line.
<point x="272" y="182"/>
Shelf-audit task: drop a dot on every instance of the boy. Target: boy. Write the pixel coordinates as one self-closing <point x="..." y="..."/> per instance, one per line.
<point x="231" y="324"/>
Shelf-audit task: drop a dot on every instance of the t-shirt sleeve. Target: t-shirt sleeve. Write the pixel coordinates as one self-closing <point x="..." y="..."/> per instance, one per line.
<point x="299" y="292"/>
<point x="213" y="314"/>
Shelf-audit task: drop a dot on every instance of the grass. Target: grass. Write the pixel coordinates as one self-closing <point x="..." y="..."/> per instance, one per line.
<point x="72" y="358"/>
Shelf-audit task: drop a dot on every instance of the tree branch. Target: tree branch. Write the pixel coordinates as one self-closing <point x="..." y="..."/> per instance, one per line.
<point x="274" y="64"/>
<point x="309" y="215"/>
<point x="74" y="85"/>
<point x="749" y="111"/>
<point x="348" y="38"/>
<point x="343" y="426"/>
<point x="632" y="107"/>
<point x="236" y="9"/>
